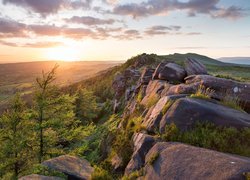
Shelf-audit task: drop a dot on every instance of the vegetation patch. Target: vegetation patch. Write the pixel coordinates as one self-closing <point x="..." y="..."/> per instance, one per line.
<point x="167" y="106"/>
<point x="232" y="102"/>
<point x="153" y="158"/>
<point x="203" y="93"/>
<point x="152" y="100"/>
<point x="100" y="174"/>
<point x="229" y="140"/>
<point x="134" y="175"/>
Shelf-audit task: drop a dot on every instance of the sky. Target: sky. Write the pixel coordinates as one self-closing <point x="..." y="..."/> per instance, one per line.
<point x="38" y="30"/>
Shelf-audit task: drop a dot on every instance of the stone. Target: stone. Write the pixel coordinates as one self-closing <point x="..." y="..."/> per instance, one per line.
<point x="153" y="118"/>
<point x="117" y="163"/>
<point x="39" y="177"/>
<point x="194" y="67"/>
<point x="71" y="166"/>
<point x="142" y="144"/>
<point x="158" y="69"/>
<point x="224" y="87"/>
<point x="181" y="161"/>
<point x="186" y="112"/>
<point x="173" y="73"/>
<point x="146" y="76"/>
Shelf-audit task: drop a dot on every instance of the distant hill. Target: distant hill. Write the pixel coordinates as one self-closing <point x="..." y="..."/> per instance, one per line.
<point x="236" y="60"/>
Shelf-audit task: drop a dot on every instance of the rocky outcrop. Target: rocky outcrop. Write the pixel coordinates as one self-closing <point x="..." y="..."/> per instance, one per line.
<point x="154" y="115"/>
<point x="146" y="76"/>
<point x="181" y="161"/>
<point x="173" y="73"/>
<point x="117" y="163"/>
<point x="186" y="112"/>
<point x="194" y="67"/>
<point x="223" y="87"/>
<point x="142" y="144"/>
<point x="71" y="166"/>
<point x="39" y="177"/>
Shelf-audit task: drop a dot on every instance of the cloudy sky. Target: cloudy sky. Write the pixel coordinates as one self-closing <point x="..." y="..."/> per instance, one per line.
<point x="34" y="30"/>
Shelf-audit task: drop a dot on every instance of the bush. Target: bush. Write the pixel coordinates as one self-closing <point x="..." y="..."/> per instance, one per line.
<point x="229" y="140"/>
<point x="100" y="174"/>
<point x="152" y="100"/>
<point x="203" y="93"/>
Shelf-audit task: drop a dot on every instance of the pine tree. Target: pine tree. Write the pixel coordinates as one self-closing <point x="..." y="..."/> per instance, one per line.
<point x="15" y="151"/>
<point x="54" y="116"/>
<point x="86" y="106"/>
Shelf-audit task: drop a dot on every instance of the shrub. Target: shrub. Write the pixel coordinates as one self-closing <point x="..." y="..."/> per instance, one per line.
<point x="152" y="100"/>
<point x="153" y="158"/>
<point x="100" y="174"/>
<point x="134" y="175"/>
<point x="206" y="135"/>
<point x="203" y="93"/>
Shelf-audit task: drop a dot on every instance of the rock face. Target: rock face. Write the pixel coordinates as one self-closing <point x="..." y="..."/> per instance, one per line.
<point x="142" y="144"/>
<point x="154" y="115"/>
<point x="181" y="161"/>
<point x="173" y="73"/>
<point x="71" y="166"/>
<point x="146" y="76"/>
<point x="194" y="67"/>
<point x="158" y="69"/>
<point x="185" y="112"/>
<point x="39" y="177"/>
<point x="224" y="87"/>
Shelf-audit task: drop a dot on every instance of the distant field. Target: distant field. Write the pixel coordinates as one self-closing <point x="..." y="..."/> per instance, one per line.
<point x="21" y="76"/>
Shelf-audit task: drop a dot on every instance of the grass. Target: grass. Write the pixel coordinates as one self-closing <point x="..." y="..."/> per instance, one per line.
<point x="134" y="175"/>
<point x="167" y="106"/>
<point x="153" y="158"/>
<point x="203" y="93"/>
<point x="100" y="174"/>
<point x="223" y="139"/>
<point x="152" y="100"/>
<point x="232" y="102"/>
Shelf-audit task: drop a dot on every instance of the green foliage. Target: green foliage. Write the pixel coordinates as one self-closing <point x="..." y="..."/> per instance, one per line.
<point x="167" y="106"/>
<point x="86" y="106"/>
<point x="203" y="93"/>
<point x="15" y="141"/>
<point x="43" y="170"/>
<point x="209" y="136"/>
<point x="134" y="175"/>
<point x="247" y="175"/>
<point x="171" y="132"/>
<point x="100" y="174"/>
<point x="139" y="96"/>
<point x="153" y="158"/>
<point x="152" y="100"/>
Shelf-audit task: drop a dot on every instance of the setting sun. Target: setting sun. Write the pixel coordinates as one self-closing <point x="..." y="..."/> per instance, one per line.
<point x="62" y="54"/>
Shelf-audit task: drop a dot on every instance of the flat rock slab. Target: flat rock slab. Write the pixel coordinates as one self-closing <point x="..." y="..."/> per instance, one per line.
<point x="180" y="161"/>
<point x="39" y="177"/>
<point x="71" y="166"/>
<point x="186" y="112"/>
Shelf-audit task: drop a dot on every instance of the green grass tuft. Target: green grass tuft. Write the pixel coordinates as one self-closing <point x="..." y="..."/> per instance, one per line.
<point x="153" y="158"/>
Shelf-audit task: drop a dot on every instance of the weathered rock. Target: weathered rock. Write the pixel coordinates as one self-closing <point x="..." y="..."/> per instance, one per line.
<point x="71" y="166"/>
<point x="153" y="117"/>
<point x="194" y="67"/>
<point x="117" y="163"/>
<point x="39" y="177"/>
<point x="154" y="88"/>
<point x="119" y="85"/>
<point x="186" y="112"/>
<point x="173" y="73"/>
<point x="181" y="161"/>
<point x="146" y="76"/>
<point x="158" y="69"/>
<point x="224" y="87"/>
<point x="142" y="144"/>
<point x="181" y="89"/>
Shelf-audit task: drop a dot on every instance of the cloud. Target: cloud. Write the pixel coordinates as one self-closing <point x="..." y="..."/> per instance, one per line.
<point x="10" y="28"/>
<point x="46" y="7"/>
<point x="161" y="30"/>
<point x="193" y="7"/>
<point x="88" y="20"/>
<point x="193" y="33"/>
<point x="32" y="45"/>
<point x="129" y="34"/>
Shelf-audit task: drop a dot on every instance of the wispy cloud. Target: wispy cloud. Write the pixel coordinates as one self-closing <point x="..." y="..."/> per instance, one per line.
<point x="32" y="45"/>
<point x="161" y="30"/>
<point x="193" y="7"/>
<point x="88" y="20"/>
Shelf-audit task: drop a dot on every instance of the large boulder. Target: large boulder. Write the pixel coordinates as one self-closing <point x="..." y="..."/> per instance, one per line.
<point x="167" y="160"/>
<point x="39" y="177"/>
<point x="154" y="115"/>
<point x="223" y="87"/>
<point x="71" y="166"/>
<point x="186" y="112"/>
<point x="142" y="144"/>
<point x="146" y="76"/>
<point x="158" y="69"/>
<point x="194" y="67"/>
<point x="173" y="73"/>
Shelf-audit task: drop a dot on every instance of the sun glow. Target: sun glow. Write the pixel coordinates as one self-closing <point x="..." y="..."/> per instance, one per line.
<point x="62" y="54"/>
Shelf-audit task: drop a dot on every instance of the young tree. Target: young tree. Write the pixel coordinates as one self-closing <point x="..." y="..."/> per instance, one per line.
<point x="86" y="106"/>
<point x="54" y="116"/>
<point x="14" y="139"/>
